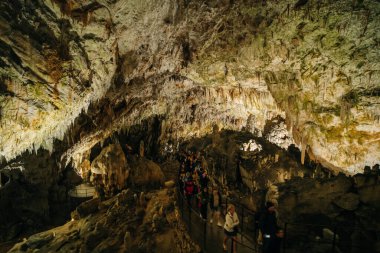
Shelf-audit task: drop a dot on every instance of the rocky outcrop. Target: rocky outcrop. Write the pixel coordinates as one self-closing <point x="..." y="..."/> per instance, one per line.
<point x="112" y="164"/>
<point x="146" y="173"/>
<point x="368" y="188"/>
<point x="118" y="226"/>
<point x="348" y="201"/>
<point x="323" y="206"/>
<point x="313" y="196"/>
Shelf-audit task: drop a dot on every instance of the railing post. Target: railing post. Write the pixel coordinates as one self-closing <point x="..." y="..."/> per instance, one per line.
<point x="204" y="234"/>
<point x="334" y="241"/>
<point x="189" y="208"/>
<point x="242" y="222"/>
<point x="226" y="205"/>
<point x="254" y="231"/>
<point x="181" y="198"/>
<point x="284" y="240"/>
<point x="232" y="244"/>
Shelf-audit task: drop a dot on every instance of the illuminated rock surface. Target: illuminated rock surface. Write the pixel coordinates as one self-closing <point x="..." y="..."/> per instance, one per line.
<point x="232" y="64"/>
<point x="116" y="87"/>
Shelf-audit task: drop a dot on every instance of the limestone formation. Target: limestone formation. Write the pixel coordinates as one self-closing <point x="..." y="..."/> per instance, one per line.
<point x="145" y="172"/>
<point x="111" y="163"/>
<point x="112" y="64"/>
<point x="275" y="98"/>
<point x="349" y="201"/>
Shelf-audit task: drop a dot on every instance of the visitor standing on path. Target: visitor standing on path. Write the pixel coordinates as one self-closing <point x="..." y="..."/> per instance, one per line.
<point x="203" y="202"/>
<point x="268" y="227"/>
<point x="238" y="177"/>
<point x="230" y="227"/>
<point x="189" y="188"/>
<point x="215" y="206"/>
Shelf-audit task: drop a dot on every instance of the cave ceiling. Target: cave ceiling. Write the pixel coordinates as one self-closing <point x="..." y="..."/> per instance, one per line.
<point x="196" y="64"/>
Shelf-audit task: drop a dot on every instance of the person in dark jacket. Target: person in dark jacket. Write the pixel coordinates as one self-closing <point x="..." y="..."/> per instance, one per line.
<point x="203" y="179"/>
<point x="238" y="177"/>
<point x="268" y="227"/>
<point x="181" y="177"/>
<point x="203" y="202"/>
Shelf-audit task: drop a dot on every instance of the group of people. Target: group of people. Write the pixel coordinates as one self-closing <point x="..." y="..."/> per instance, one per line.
<point x="194" y="184"/>
<point x="270" y="232"/>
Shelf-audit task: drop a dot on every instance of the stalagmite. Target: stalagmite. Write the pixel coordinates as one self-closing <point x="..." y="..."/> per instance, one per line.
<point x="303" y="152"/>
<point x="141" y="149"/>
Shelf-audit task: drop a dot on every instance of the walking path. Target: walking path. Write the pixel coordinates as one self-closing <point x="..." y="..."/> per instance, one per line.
<point x="210" y="236"/>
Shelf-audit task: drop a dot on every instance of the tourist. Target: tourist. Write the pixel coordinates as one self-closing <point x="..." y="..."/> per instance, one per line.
<point x="268" y="227"/>
<point x="203" y="202"/>
<point x="203" y="179"/>
<point x="189" y="164"/>
<point x="189" y="188"/>
<point x="215" y="206"/>
<point x="238" y="177"/>
<point x="181" y="177"/>
<point x="230" y="227"/>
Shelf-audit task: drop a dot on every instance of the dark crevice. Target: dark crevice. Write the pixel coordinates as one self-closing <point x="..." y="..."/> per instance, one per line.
<point x="300" y="4"/>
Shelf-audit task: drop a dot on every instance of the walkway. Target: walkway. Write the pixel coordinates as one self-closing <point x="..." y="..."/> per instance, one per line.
<point x="210" y="236"/>
<point x="82" y="191"/>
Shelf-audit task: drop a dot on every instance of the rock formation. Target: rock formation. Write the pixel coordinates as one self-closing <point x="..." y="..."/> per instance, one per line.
<point x="109" y="91"/>
<point x="236" y="64"/>
<point x="117" y="225"/>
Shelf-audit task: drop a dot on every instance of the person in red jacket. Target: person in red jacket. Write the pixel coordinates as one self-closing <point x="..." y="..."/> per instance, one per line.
<point x="189" y="189"/>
